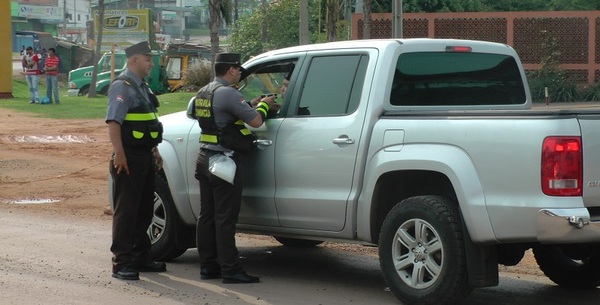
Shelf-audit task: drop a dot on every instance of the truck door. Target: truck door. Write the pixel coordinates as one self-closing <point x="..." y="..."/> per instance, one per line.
<point x="316" y="145"/>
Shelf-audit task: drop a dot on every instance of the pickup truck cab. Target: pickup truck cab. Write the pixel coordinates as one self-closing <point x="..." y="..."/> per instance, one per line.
<point x="428" y="149"/>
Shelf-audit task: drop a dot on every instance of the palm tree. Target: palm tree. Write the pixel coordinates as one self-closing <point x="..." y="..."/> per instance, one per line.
<point x="219" y="10"/>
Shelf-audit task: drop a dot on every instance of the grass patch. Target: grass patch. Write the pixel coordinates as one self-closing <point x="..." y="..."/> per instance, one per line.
<point x="81" y="107"/>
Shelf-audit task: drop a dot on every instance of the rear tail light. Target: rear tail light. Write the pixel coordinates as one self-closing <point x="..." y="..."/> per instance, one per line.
<point x="562" y="166"/>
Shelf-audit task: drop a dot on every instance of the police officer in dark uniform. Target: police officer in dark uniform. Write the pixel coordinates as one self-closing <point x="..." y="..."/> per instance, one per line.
<point x="221" y="112"/>
<point x="134" y="132"/>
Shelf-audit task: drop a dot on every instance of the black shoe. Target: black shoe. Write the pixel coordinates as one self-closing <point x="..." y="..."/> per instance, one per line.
<point x="209" y="273"/>
<point x="151" y="267"/>
<point x="126" y="273"/>
<point x="240" y="278"/>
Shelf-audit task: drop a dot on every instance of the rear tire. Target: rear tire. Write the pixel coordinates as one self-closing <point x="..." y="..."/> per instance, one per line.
<point x="422" y="252"/>
<point x="570" y="266"/>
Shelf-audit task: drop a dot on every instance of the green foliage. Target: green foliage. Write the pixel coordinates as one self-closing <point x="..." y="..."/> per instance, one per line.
<point x="560" y="88"/>
<point x="197" y="74"/>
<point x="282" y="21"/>
<point x="430" y="6"/>
<point x="79" y="107"/>
<point x="592" y="93"/>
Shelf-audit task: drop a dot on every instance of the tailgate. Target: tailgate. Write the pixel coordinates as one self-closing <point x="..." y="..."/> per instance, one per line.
<point x="590" y="132"/>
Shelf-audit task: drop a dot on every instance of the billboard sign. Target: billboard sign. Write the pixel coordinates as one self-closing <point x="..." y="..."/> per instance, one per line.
<point x="125" y="28"/>
<point x="39" y="2"/>
<point x="40" y="12"/>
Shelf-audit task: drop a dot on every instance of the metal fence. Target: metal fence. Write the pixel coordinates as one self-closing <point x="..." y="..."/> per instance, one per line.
<point x="577" y="34"/>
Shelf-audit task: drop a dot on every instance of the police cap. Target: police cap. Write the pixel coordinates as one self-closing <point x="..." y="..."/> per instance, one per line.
<point x="229" y="58"/>
<point x="138" y="48"/>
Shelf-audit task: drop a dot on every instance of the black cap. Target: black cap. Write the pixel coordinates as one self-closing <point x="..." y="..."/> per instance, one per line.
<point x="138" y="48"/>
<point x="229" y="58"/>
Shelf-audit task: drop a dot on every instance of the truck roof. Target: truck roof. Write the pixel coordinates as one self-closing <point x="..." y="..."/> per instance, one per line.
<point x="410" y="44"/>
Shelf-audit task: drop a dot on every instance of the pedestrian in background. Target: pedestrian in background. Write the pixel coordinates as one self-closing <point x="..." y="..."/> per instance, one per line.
<point x="134" y="131"/>
<point x="31" y="65"/>
<point x="51" y="68"/>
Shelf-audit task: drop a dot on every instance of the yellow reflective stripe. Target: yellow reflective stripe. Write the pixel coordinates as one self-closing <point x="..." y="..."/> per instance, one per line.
<point x="239" y="122"/>
<point x="245" y="131"/>
<point x="141" y="116"/>
<point x="154" y="134"/>
<point x="208" y="138"/>
<point x="138" y="134"/>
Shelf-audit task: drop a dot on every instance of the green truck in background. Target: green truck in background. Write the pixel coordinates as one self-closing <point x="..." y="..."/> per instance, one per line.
<point x="80" y="79"/>
<point x="166" y="76"/>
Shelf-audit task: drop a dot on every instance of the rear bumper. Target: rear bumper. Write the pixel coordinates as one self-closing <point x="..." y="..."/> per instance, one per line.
<point x="567" y="226"/>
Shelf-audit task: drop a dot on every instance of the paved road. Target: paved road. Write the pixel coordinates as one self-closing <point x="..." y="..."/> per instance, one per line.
<point x="65" y="260"/>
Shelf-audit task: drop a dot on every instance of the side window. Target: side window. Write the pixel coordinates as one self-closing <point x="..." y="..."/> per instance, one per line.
<point x="333" y="85"/>
<point x="269" y="78"/>
<point x="174" y="68"/>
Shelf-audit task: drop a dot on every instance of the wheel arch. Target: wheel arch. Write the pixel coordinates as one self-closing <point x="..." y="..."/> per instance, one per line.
<point x="172" y="172"/>
<point x="426" y="169"/>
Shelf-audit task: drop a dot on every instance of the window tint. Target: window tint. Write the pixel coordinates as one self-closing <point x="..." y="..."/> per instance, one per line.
<point x="453" y="79"/>
<point x="333" y="85"/>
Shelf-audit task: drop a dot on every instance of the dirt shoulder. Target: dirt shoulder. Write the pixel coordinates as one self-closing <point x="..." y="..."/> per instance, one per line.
<point x="63" y="160"/>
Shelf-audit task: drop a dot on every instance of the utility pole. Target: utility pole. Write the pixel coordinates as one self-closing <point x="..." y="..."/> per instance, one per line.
<point x="65" y="18"/>
<point x="397" y="19"/>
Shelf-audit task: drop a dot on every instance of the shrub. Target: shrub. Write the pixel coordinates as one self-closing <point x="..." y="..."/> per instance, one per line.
<point x="560" y="88"/>
<point x="592" y="93"/>
<point x="197" y="75"/>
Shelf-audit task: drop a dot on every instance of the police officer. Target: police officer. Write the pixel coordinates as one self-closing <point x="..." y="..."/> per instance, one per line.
<point x="134" y="132"/>
<point x="221" y="112"/>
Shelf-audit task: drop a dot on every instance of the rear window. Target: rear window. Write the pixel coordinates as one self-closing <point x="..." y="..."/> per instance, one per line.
<point x="456" y="79"/>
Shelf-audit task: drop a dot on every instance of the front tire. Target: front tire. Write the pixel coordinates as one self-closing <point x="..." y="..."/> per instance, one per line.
<point x="570" y="266"/>
<point x="422" y="252"/>
<point x="165" y="224"/>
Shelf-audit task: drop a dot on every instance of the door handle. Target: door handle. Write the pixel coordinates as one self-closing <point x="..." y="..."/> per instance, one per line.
<point x="343" y="140"/>
<point x="263" y="142"/>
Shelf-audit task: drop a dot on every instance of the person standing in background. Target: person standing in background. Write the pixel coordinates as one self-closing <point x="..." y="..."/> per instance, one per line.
<point x="51" y="68"/>
<point x="30" y="63"/>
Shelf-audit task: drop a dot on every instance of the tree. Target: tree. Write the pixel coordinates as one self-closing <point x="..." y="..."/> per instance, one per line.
<point x="92" y="90"/>
<point x="367" y="19"/>
<point x="218" y="11"/>
<point x="333" y="11"/>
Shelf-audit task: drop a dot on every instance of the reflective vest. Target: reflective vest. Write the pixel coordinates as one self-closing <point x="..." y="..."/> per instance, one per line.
<point x="234" y="136"/>
<point x="141" y="127"/>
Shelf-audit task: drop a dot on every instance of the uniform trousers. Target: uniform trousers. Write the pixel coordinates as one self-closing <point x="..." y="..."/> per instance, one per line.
<point x="219" y="209"/>
<point x="133" y="197"/>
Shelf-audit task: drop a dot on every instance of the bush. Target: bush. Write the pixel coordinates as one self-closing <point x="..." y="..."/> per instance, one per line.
<point x="197" y="75"/>
<point x="560" y="88"/>
<point x="592" y="93"/>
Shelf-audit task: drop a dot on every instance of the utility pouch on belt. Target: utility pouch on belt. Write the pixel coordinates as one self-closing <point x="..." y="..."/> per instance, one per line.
<point x="141" y="135"/>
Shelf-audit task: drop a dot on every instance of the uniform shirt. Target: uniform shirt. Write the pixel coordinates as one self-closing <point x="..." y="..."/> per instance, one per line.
<point x="122" y="97"/>
<point x="29" y="59"/>
<point x="51" y="61"/>
<point x="228" y="106"/>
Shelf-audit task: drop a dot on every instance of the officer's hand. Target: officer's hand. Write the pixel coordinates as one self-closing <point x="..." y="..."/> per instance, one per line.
<point x="120" y="163"/>
<point x="275" y="108"/>
<point x="270" y="100"/>
<point x="254" y="102"/>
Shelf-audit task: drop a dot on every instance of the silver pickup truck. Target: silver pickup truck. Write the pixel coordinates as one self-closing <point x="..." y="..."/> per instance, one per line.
<point x="428" y="149"/>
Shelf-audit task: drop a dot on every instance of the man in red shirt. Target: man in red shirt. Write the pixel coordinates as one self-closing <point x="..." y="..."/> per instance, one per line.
<point x="51" y="68"/>
<point x="30" y="63"/>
